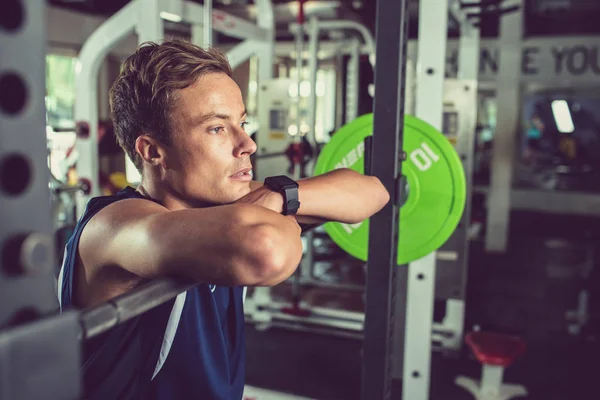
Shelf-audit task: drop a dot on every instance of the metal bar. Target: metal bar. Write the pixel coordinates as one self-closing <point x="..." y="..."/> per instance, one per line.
<point x="299" y="39"/>
<point x="314" y="282"/>
<point x="39" y="358"/>
<point x="508" y="97"/>
<point x="99" y="319"/>
<point x="242" y="52"/>
<point x="451" y="274"/>
<point x="468" y="52"/>
<point x="312" y="329"/>
<point x="327" y="49"/>
<point x="150" y="25"/>
<point x="266" y="22"/>
<point x="313" y="65"/>
<point x="207" y="23"/>
<point x="481" y="3"/>
<point x="429" y="100"/>
<point x="225" y="23"/>
<point x="353" y="25"/>
<point x="57" y="189"/>
<point x="266" y="61"/>
<point x="324" y="313"/>
<point x="307" y="263"/>
<point x="94" y="50"/>
<point x="388" y="127"/>
<point x="197" y="36"/>
<point x="352" y="81"/>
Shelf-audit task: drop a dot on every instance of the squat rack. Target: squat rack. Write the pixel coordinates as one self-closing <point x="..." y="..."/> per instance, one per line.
<point x="39" y="350"/>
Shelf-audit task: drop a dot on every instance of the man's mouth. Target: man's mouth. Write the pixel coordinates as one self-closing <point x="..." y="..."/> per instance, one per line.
<point x="243" y="174"/>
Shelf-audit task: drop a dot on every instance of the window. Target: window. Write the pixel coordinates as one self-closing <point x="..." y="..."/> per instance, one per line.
<point x="60" y="91"/>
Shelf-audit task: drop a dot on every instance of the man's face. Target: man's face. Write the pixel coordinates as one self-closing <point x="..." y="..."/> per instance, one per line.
<point x="209" y="159"/>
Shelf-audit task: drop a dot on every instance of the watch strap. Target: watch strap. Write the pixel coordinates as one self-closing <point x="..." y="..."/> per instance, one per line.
<point x="288" y="189"/>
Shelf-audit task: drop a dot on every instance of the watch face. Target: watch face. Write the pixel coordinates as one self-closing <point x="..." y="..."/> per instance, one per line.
<point x="287" y="182"/>
<point x="283" y="181"/>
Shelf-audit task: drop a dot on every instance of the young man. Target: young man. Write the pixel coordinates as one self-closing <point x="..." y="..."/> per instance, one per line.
<point x="197" y="213"/>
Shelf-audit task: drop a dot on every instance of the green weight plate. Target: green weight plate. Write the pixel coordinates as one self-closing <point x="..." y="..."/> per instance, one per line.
<point x="436" y="187"/>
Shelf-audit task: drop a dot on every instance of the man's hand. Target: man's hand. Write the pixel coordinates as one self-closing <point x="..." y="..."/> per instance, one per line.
<point x="263" y="196"/>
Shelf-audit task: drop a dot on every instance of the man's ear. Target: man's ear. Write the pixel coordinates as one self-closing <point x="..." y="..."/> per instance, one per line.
<point x="151" y="151"/>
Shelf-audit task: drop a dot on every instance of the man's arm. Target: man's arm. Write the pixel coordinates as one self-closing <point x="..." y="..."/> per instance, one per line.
<point x="341" y="195"/>
<point x="227" y="245"/>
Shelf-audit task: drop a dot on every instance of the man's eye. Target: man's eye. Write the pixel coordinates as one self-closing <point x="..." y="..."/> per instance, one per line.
<point x="217" y="129"/>
<point x="243" y="125"/>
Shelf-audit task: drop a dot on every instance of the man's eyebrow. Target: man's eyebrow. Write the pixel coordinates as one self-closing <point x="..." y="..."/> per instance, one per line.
<point x="212" y="115"/>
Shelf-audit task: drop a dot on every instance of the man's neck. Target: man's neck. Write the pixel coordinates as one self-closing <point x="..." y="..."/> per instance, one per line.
<point x="161" y="195"/>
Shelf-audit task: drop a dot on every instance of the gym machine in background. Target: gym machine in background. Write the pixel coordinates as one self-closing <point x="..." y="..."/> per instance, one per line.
<point x="458" y="124"/>
<point x="285" y="119"/>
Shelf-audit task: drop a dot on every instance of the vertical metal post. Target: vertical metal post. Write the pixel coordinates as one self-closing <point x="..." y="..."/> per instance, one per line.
<point x="431" y="61"/>
<point x="313" y="66"/>
<point x="197" y="35"/>
<point x="339" y="89"/>
<point x="39" y="358"/>
<point x="508" y="99"/>
<point x="150" y="26"/>
<point x="93" y="52"/>
<point x="26" y="237"/>
<point x="352" y="81"/>
<point x="299" y="38"/>
<point x="207" y="26"/>
<point x="306" y="267"/>
<point x="429" y="99"/>
<point x="468" y="72"/>
<point x="388" y="128"/>
<point x="266" y="52"/>
<point x="468" y="51"/>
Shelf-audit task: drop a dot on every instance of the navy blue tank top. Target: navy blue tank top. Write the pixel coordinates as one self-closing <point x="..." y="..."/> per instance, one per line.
<point x="191" y="347"/>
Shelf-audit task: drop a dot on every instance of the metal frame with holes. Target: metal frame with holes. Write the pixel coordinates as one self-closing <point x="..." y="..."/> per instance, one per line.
<point x="143" y="17"/>
<point x="29" y="344"/>
<point x="414" y="368"/>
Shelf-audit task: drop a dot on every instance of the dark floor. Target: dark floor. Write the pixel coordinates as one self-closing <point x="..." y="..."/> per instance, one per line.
<point x="324" y="367"/>
<point x="518" y="292"/>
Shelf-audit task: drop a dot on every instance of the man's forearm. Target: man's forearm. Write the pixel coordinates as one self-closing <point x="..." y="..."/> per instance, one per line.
<point x="341" y="195"/>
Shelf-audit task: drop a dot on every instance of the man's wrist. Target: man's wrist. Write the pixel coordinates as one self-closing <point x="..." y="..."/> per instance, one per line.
<point x="276" y="200"/>
<point x="288" y="188"/>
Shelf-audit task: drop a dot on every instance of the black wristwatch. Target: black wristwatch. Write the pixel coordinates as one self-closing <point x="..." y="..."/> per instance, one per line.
<point x="289" y="189"/>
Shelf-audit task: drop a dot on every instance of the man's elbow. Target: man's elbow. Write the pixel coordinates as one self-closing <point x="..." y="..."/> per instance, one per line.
<point x="276" y="257"/>
<point x="380" y="194"/>
<point x="376" y="197"/>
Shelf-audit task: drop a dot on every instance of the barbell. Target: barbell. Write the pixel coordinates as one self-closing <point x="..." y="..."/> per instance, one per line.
<point x="435" y="193"/>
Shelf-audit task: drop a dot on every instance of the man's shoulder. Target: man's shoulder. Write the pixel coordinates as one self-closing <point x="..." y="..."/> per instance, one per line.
<point x="118" y="205"/>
